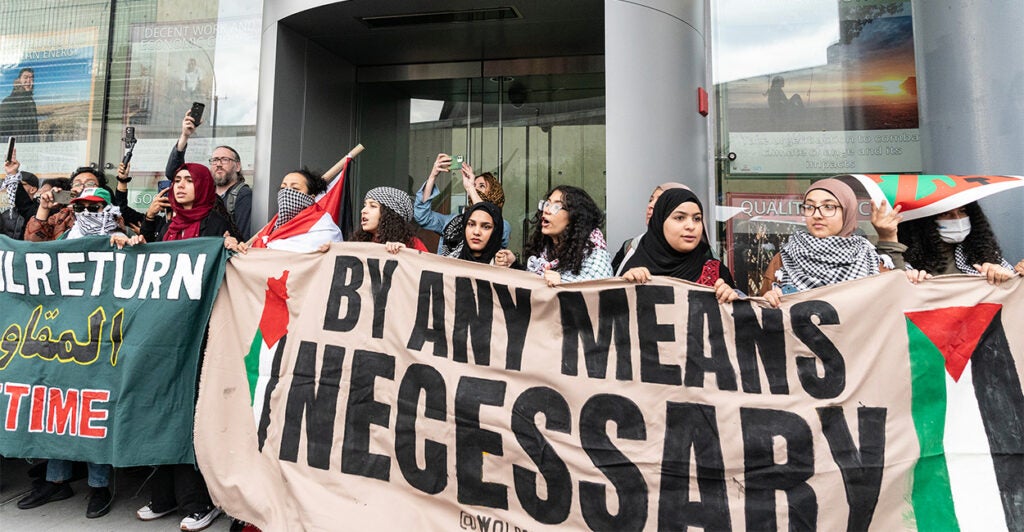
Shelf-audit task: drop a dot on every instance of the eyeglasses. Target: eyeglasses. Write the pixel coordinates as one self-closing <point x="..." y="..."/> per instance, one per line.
<point x="544" y="205"/>
<point x="222" y="160"/>
<point x="92" y="207"/>
<point x="827" y="210"/>
<point x="85" y="184"/>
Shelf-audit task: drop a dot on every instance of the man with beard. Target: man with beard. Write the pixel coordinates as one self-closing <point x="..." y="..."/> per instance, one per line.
<point x="226" y="167"/>
<point x="18" y="116"/>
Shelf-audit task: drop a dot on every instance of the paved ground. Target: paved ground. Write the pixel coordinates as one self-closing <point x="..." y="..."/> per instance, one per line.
<point x="69" y="515"/>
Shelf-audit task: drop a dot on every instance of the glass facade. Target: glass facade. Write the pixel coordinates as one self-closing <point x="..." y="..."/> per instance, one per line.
<point x="805" y="89"/>
<point x="530" y="131"/>
<point x="98" y="67"/>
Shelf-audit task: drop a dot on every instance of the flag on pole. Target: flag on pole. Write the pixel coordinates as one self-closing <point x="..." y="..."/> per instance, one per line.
<point x="927" y="195"/>
<point x="316" y="224"/>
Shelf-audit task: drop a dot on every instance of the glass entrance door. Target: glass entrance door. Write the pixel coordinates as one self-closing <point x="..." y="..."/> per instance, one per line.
<point x="531" y="131"/>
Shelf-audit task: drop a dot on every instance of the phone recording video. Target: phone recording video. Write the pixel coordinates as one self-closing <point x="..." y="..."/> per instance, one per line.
<point x="196" y="112"/>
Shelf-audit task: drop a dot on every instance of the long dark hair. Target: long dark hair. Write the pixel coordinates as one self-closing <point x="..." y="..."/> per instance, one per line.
<point x="391" y="228"/>
<point x="924" y="247"/>
<point x="574" y="244"/>
<point x="314" y="183"/>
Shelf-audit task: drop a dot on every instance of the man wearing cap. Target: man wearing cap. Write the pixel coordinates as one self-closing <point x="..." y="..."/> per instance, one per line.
<point x="16" y="204"/>
<point x="47" y="225"/>
<point x="95" y="215"/>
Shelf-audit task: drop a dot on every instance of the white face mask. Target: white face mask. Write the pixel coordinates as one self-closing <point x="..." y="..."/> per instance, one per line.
<point x="954" y="231"/>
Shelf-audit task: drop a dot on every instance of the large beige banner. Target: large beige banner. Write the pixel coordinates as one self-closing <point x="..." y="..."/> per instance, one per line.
<point x="358" y="390"/>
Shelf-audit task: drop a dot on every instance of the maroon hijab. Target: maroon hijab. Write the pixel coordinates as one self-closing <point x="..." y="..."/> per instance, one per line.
<point x="185" y="223"/>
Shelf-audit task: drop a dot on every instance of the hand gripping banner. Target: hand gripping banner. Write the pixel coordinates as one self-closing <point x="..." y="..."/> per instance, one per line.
<point x="361" y="390"/>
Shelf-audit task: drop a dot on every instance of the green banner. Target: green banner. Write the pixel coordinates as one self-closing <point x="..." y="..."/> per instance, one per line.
<point x="100" y="347"/>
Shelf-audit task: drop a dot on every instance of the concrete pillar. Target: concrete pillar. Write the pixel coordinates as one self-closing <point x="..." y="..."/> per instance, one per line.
<point x="970" y="79"/>
<point x="654" y="62"/>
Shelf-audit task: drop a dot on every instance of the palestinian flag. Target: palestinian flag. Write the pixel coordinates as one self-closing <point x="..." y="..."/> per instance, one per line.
<point x="263" y="362"/>
<point x="925" y="195"/>
<point x="968" y="411"/>
<point x="316" y="224"/>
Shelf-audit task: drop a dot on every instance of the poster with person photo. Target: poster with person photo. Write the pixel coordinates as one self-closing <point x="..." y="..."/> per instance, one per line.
<point x="49" y="97"/>
<point x="854" y="109"/>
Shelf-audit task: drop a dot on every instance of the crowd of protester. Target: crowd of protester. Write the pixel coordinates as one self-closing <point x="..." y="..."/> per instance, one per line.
<point x="565" y="244"/>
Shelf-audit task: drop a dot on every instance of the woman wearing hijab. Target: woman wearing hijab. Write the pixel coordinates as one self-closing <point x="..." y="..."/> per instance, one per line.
<point x="386" y="218"/>
<point x="676" y="245"/>
<point x="566" y="244"/>
<point x="956" y="241"/>
<point x="829" y="252"/>
<point x="196" y="209"/>
<point x="629" y="246"/>
<point x="480" y="240"/>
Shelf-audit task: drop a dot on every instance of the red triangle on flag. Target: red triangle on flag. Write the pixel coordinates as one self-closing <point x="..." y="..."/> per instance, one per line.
<point x="274" y="321"/>
<point x="955" y="331"/>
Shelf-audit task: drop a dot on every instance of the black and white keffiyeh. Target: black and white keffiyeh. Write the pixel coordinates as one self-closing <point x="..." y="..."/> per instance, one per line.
<point x="394" y="199"/>
<point x="95" y="223"/>
<point x="810" y="262"/>
<point x="291" y="202"/>
<point x="960" y="259"/>
<point x="10" y="186"/>
<point x="453" y="235"/>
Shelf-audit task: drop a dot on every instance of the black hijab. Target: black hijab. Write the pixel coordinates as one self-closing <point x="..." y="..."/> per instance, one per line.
<point x="493" y="245"/>
<point x="655" y="253"/>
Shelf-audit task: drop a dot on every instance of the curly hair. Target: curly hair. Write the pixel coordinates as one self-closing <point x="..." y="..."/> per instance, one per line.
<point x="391" y="228"/>
<point x="575" y="244"/>
<point x="925" y="248"/>
<point x="314" y="183"/>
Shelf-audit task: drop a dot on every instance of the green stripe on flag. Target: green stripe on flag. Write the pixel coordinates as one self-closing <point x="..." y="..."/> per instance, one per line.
<point x="889" y="184"/>
<point x="932" y="496"/>
<point x="252" y="364"/>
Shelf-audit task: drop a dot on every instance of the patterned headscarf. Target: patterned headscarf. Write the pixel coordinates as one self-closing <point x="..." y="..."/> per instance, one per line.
<point x="394" y="199"/>
<point x="495" y="194"/>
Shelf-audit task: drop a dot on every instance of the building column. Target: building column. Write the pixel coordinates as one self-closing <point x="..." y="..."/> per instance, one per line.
<point x="654" y="62"/>
<point x="970" y="79"/>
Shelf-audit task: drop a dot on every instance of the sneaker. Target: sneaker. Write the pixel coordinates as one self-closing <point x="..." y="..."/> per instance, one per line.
<point x="147" y="513"/>
<point x="200" y="520"/>
<point x="46" y="492"/>
<point x="99" y="502"/>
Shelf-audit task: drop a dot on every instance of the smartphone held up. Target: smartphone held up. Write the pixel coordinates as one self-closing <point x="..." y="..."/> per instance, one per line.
<point x="196" y="112"/>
